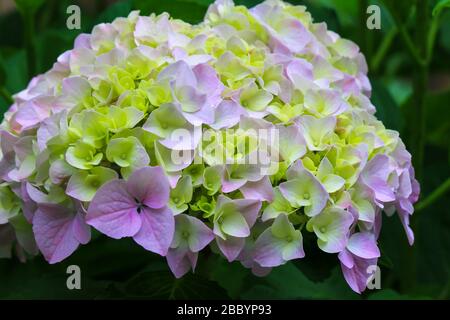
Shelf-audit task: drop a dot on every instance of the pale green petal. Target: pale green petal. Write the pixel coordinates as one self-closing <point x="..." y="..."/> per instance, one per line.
<point x="277" y="206"/>
<point x="297" y="192"/>
<point x="124" y="118"/>
<point x="333" y="183"/>
<point x="212" y="179"/>
<point x="83" y="156"/>
<point x="255" y="99"/>
<point x="282" y="228"/>
<point x="181" y="195"/>
<point x="127" y="152"/>
<point x="234" y="224"/>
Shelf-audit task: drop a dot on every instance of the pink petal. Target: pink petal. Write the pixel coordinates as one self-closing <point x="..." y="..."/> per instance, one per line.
<point x="231" y="248"/>
<point x="227" y="114"/>
<point x="363" y="244"/>
<point x="375" y="176"/>
<point x="113" y="211"/>
<point x="53" y="230"/>
<point x="346" y="258"/>
<point x="81" y="230"/>
<point x="351" y="278"/>
<point x="158" y="227"/>
<point x="258" y="190"/>
<point x="249" y="209"/>
<point x="181" y="260"/>
<point x="149" y="185"/>
<point x="203" y="234"/>
<point x="268" y="251"/>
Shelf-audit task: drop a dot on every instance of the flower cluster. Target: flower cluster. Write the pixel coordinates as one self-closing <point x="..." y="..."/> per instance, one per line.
<point x="91" y="143"/>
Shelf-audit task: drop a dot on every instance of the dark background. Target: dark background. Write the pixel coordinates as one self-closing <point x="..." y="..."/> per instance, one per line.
<point x="411" y="90"/>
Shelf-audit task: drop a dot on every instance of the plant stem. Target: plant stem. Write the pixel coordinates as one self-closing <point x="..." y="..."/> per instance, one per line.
<point x="383" y="49"/>
<point x="434" y="196"/>
<point x="434" y="27"/>
<point x="4" y="93"/>
<point x="406" y="37"/>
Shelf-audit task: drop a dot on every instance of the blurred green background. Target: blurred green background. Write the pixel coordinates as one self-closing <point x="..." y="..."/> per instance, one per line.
<point x="409" y="68"/>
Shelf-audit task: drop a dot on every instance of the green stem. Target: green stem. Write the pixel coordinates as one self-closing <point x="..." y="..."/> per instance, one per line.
<point x="434" y="28"/>
<point x="406" y="37"/>
<point x="383" y="49"/>
<point x="4" y="93"/>
<point x="434" y="196"/>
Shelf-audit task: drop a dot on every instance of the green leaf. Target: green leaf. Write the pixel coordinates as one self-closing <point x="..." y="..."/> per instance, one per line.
<point x="438" y="119"/>
<point x="16" y="69"/>
<point x="387" y="109"/>
<point x="441" y="5"/>
<point x="231" y="276"/>
<point x="399" y="89"/>
<point x="155" y="284"/>
<point x="346" y="11"/>
<point x="288" y="282"/>
<point x="116" y="260"/>
<point x="36" y="279"/>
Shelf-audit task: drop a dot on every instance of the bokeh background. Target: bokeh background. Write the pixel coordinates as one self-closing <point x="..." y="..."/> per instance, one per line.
<point x="409" y="68"/>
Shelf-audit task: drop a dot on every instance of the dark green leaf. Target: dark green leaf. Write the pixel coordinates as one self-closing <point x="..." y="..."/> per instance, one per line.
<point x="37" y="279"/>
<point x="438" y="117"/>
<point x="288" y="282"/>
<point x="16" y="69"/>
<point x="346" y="10"/>
<point x="231" y="276"/>
<point x="163" y="285"/>
<point x="387" y="109"/>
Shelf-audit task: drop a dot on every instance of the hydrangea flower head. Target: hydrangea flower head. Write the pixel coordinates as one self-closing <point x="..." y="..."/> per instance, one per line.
<point x="241" y="133"/>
